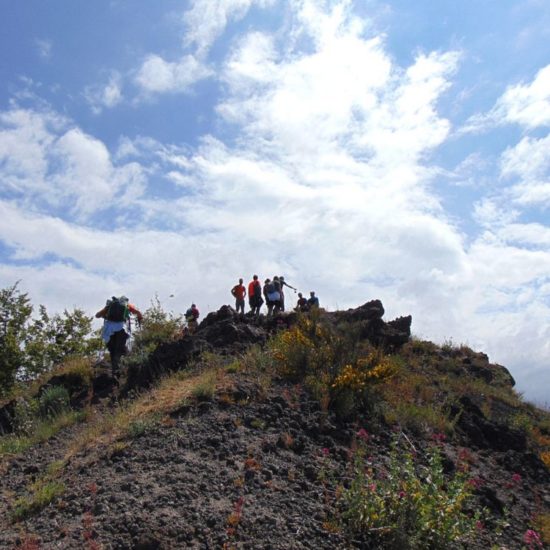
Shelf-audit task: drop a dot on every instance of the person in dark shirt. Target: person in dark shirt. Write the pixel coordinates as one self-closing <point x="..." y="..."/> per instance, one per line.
<point x="313" y="301"/>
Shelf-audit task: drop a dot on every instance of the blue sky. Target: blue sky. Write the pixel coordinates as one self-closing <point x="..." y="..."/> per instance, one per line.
<point x="366" y="149"/>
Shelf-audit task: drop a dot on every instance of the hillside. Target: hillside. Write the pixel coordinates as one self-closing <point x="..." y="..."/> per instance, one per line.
<point x="334" y="430"/>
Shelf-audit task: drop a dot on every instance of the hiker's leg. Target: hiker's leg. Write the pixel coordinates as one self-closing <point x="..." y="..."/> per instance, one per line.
<point x="119" y="349"/>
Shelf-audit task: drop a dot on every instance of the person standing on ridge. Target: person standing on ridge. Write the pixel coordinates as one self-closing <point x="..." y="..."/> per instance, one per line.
<point x="313" y="301"/>
<point x="268" y="290"/>
<point x="276" y="296"/>
<point x="239" y="292"/>
<point x="192" y="316"/>
<point x="255" y="295"/>
<point x="283" y="284"/>
<point x="116" y="327"/>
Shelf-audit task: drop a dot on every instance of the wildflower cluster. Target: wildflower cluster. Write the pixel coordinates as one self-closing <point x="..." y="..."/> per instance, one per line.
<point x="305" y="349"/>
<point x="374" y="367"/>
<point x="408" y="504"/>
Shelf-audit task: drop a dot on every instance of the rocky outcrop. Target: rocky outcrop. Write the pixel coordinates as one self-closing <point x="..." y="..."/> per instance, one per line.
<point x="227" y="333"/>
<point x="484" y="433"/>
<point x="391" y="335"/>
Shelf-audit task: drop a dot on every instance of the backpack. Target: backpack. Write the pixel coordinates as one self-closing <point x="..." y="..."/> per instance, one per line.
<point x="117" y="310"/>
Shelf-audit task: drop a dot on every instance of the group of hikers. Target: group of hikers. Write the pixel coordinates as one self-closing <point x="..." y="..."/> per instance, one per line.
<point x="117" y="311"/>
<point x="273" y="292"/>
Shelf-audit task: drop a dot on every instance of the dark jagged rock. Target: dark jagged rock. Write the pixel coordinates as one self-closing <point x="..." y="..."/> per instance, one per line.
<point x="7" y="417"/>
<point x="228" y="333"/>
<point x="478" y="366"/>
<point x="396" y="333"/>
<point x="167" y="357"/>
<point x="224" y="313"/>
<point x="371" y="311"/>
<point x="103" y="386"/>
<point x="483" y="433"/>
<point x="391" y="335"/>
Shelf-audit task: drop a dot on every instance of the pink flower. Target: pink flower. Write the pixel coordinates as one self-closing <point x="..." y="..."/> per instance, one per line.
<point x="475" y="482"/>
<point x="362" y="434"/>
<point x="479" y="525"/>
<point x="532" y="539"/>
<point x="402" y="494"/>
<point x="372" y="487"/>
<point x="325" y="451"/>
<point x="438" y="437"/>
<point x="516" y="478"/>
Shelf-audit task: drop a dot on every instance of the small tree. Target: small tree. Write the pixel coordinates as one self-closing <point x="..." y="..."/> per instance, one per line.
<point x="15" y="312"/>
<point x="50" y="340"/>
<point x="30" y="347"/>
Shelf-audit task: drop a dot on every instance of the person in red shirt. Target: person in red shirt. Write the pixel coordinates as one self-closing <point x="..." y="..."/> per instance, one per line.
<point x="239" y="292"/>
<point x="255" y="295"/>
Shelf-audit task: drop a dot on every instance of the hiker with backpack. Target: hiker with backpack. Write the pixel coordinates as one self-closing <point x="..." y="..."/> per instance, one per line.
<point x="116" y="327"/>
<point x="192" y="316"/>
<point x="255" y="295"/>
<point x="272" y="293"/>
<point x="283" y="284"/>
<point x="239" y="292"/>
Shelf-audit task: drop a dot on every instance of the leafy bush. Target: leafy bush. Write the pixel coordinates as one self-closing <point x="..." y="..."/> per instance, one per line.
<point x="54" y="401"/>
<point x="409" y="505"/>
<point x="332" y="365"/>
<point x="157" y="326"/>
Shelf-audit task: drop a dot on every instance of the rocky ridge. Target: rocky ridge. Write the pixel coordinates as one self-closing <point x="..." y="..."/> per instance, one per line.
<point x="244" y="469"/>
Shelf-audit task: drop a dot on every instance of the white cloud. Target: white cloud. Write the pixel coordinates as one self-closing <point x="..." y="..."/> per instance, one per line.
<point x="44" y="48"/>
<point x="528" y="164"/>
<point x="207" y="19"/>
<point x="105" y="96"/>
<point x="530" y="234"/>
<point x="158" y="75"/>
<point x="527" y="104"/>
<point x="46" y="162"/>
<point x="204" y="22"/>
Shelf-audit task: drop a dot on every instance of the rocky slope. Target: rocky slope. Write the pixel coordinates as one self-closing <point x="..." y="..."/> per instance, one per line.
<point x="253" y="464"/>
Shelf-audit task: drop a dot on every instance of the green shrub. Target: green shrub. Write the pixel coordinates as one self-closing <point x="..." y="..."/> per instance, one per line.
<point x="53" y="401"/>
<point x="204" y="390"/>
<point x="157" y="326"/>
<point x="139" y="427"/>
<point x="409" y="505"/>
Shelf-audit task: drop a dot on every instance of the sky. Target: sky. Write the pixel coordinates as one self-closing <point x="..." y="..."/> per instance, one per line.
<point x="363" y="149"/>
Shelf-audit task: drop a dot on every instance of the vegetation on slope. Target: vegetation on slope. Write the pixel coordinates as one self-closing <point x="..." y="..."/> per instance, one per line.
<point x="436" y="400"/>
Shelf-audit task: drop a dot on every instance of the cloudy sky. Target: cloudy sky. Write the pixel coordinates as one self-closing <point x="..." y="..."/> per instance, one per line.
<point x="364" y="149"/>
